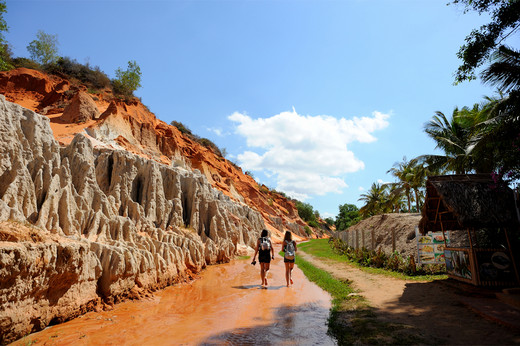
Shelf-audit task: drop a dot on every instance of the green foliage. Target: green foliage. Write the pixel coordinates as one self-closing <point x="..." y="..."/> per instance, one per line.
<point x="5" y="53"/>
<point x="339" y="290"/>
<point x="181" y="127"/>
<point x="481" y="139"/>
<point x="209" y="144"/>
<point x="92" y="77"/>
<point x="5" y="57"/>
<point x="305" y="211"/>
<point x="376" y="201"/>
<point x="201" y="140"/>
<point x="44" y="49"/>
<point x="348" y="216"/>
<point x="481" y="42"/>
<point x="128" y="81"/>
<point x="329" y="221"/>
<point x="262" y="188"/>
<point x="313" y="223"/>
<point x="307" y="230"/>
<point x="394" y="262"/>
<point x="3" y="24"/>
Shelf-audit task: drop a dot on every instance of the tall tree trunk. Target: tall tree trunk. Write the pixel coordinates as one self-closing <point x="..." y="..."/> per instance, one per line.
<point x="417" y="200"/>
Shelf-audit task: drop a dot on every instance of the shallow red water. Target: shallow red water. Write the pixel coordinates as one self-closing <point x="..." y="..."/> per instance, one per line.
<point x="225" y="306"/>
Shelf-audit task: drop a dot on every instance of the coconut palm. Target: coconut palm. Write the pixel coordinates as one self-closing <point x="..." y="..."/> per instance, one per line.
<point x="375" y="200"/>
<point x="396" y="199"/>
<point x="458" y="137"/>
<point x="403" y="171"/>
<point x="501" y="137"/>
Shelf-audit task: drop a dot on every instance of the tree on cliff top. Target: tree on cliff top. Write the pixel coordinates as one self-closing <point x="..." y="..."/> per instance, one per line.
<point x="127" y="81"/>
<point x="4" y="49"/>
<point x="44" y="49"/>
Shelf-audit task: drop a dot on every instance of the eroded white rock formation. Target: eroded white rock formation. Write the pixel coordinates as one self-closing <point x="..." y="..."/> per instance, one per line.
<point x="112" y="221"/>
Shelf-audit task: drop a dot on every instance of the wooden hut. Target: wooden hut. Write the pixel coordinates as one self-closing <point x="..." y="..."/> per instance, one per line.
<point x="483" y="213"/>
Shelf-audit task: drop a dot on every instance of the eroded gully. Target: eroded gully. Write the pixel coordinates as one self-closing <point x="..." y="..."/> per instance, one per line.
<point x="225" y="306"/>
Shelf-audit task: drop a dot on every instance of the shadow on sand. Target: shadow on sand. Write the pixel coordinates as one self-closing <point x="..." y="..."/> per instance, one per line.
<point x="427" y="313"/>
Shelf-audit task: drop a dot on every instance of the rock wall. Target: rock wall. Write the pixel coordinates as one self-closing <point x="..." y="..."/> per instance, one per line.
<point x="111" y="222"/>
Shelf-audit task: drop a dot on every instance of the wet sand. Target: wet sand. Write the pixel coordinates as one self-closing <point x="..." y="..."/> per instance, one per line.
<point x="225" y="306"/>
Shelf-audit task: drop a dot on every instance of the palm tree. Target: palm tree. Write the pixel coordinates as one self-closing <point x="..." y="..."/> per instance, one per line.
<point x="375" y="200"/>
<point x="458" y="138"/>
<point x="502" y="131"/>
<point x="395" y="201"/>
<point x="452" y="137"/>
<point x="403" y="171"/>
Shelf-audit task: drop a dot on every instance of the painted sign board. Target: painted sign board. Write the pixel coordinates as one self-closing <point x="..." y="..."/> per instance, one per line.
<point x="430" y="247"/>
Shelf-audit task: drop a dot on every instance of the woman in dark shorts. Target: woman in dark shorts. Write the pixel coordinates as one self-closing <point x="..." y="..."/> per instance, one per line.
<point x="289" y="249"/>
<point x="265" y="251"/>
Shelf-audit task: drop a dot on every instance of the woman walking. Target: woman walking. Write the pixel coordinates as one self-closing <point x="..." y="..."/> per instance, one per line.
<point x="263" y="247"/>
<point x="289" y="249"/>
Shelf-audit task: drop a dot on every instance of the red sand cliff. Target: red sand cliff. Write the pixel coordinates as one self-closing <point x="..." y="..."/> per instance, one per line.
<point x="131" y="126"/>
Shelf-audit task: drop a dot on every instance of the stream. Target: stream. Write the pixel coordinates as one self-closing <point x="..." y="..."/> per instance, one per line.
<point x="225" y="306"/>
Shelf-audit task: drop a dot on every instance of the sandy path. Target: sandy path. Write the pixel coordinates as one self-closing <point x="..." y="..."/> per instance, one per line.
<point x="432" y="307"/>
<point x="225" y="306"/>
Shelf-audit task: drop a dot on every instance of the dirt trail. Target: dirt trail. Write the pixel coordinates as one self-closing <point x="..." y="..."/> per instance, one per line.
<point x="225" y="306"/>
<point x="432" y="307"/>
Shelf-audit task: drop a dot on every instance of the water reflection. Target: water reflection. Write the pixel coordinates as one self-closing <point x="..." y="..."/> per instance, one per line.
<point x="293" y="325"/>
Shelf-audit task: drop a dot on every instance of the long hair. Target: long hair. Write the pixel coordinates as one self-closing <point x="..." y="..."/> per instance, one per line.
<point x="264" y="233"/>
<point x="288" y="236"/>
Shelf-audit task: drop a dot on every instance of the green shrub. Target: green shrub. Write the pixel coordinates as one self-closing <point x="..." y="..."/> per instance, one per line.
<point x="209" y="144"/>
<point x="5" y="57"/>
<point x="24" y="62"/>
<point x="379" y="259"/>
<point x="93" y="78"/>
<point x="128" y="81"/>
<point x="313" y="223"/>
<point x="305" y="211"/>
<point x="307" y="230"/>
<point x="182" y="128"/>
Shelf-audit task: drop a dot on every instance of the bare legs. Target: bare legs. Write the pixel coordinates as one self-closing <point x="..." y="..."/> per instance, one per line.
<point x="288" y="273"/>
<point x="264" y="268"/>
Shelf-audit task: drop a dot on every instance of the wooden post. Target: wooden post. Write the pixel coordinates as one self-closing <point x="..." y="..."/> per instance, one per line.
<point x="475" y="277"/>
<point x="393" y="240"/>
<point x="363" y="237"/>
<point x="373" y="240"/>
<point x="512" y="257"/>
<point x="412" y="263"/>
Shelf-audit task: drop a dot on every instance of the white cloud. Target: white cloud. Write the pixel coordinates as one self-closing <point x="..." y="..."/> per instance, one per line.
<point x="327" y="214"/>
<point x="361" y="188"/>
<point x="216" y="131"/>
<point x="381" y="181"/>
<point x="308" y="154"/>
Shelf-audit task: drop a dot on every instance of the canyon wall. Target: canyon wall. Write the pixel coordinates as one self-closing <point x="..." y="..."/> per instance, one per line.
<point x="82" y="225"/>
<point x="110" y="122"/>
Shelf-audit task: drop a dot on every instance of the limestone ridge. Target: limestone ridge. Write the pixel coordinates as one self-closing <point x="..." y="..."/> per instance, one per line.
<point x="108" y="221"/>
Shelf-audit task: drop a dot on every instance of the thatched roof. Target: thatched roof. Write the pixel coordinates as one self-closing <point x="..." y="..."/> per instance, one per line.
<point x="458" y="202"/>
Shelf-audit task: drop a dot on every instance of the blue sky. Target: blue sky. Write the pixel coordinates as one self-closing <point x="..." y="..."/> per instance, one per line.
<point x="317" y="98"/>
